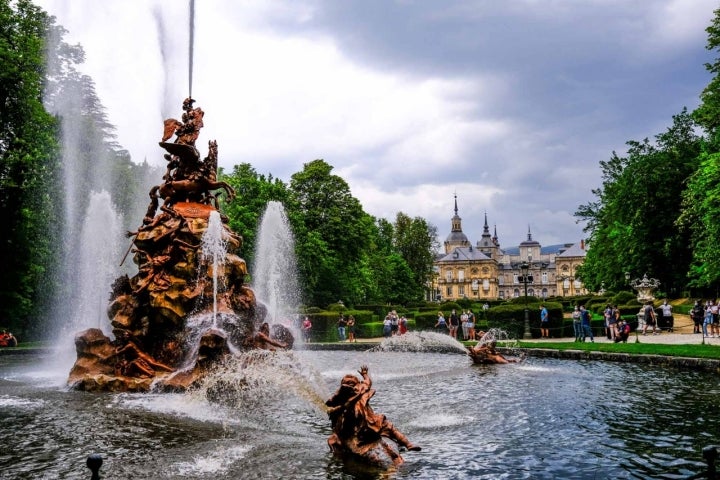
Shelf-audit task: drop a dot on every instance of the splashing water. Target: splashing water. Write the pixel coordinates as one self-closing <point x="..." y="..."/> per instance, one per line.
<point x="214" y="248"/>
<point x="421" y="342"/>
<point x="499" y="336"/>
<point x="274" y="270"/>
<point x="259" y="379"/>
<point x="96" y="265"/>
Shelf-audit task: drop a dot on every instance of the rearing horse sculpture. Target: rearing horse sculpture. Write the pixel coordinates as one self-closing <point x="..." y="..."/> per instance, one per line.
<point x="187" y="178"/>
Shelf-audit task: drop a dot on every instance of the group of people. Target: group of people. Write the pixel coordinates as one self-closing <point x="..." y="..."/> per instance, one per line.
<point x="651" y="320"/>
<point x="464" y="322"/>
<point x="346" y="328"/>
<point x="616" y="328"/>
<point x="7" y="339"/>
<point x="394" y="324"/>
<point x="706" y="317"/>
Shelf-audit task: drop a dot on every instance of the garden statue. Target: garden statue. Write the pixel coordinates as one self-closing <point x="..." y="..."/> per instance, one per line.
<point x="357" y="430"/>
<point x="645" y="288"/>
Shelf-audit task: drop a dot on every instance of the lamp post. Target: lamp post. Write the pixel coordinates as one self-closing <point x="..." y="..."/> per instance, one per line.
<point x="525" y="268"/>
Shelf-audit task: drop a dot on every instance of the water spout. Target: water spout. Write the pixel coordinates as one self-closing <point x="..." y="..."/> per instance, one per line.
<point x="214" y="249"/>
<point x="274" y="271"/>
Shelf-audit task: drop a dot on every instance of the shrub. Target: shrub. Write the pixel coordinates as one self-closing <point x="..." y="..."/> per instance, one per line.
<point x="624" y="298"/>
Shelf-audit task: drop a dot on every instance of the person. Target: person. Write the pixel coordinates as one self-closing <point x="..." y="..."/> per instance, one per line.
<point x="341" y="324"/>
<point x="7" y="339"/>
<point x="454" y="324"/>
<point x="697" y="313"/>
<point x="608" y="317"/>
<point x="667" y="316"/>
<point x="263" y="341"/>
<point x="577" y="324"/>
<point x="351" y="329"/>
<point x="585" y="321"/>
<point x="463" y="324"/>
<point x="649" y="318"/>
<point x="623" y="331"/>
<point x="441" y="323"/>
<point x="355" y="426"/>
<point x="707" y="321"/>
<point x="306" y="328"/>
<point x="544" y="322"/>
<point x="387" y="326"/>
<point x="394" y="323"/>
<point x="402" y="325"/>
<point x="471" y="325"/>
<point x="714" y="327"/>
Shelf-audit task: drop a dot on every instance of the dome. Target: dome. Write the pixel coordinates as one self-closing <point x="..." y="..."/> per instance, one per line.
<point x="457" y="237"/>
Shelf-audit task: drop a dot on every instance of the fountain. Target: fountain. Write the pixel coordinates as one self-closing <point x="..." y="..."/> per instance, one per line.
<point x="645" y="288"/>
<point x="188" y="306"/>
<point x="274" y="271"/>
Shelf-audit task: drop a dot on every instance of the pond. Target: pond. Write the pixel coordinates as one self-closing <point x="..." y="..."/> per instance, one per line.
<point x="540" y="419"/>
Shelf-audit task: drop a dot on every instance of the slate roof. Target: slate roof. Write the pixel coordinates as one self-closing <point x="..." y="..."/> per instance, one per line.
<point x="574" y="251"/>
<point x="463" y="254"/>
<point x="548" y="250"/>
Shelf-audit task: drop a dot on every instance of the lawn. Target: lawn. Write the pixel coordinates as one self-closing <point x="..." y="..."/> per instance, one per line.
<point x="692" y="351"/>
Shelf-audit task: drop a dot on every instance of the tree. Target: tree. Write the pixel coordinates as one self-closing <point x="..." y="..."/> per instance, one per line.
<point x="415" y="241"/>
<point x="632" y="225"/>
<point x="707" y="114"/>
<point x="701" y="210"/>
<point x="28" y="164"/>
<point x="332" y="233"/>
<point x="253" y="192"/>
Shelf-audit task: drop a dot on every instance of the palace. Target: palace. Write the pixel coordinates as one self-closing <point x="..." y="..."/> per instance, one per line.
<point x="487" y="272"/>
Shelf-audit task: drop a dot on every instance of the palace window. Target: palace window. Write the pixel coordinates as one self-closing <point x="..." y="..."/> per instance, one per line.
<point x="461" y="290"/>
<point x="448" y="275"/>
<point x="448" y="291"/>
<point x="461" y="275"/>
<point x="544" y="277"/>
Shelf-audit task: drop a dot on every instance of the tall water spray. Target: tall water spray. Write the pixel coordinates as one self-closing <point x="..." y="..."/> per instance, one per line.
<point x="274" y="271"/>
<point x="96" y="265"/>
<point x="214" y="248"/>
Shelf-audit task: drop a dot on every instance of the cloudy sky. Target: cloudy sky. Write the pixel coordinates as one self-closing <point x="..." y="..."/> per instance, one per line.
<point x="510" y="105"/>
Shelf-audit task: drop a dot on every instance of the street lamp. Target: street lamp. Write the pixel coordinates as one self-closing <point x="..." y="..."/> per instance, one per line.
<point x="525" y="268"/>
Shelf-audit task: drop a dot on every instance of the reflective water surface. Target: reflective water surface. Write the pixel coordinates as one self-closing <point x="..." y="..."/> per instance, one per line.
<point x="541" y="419"/>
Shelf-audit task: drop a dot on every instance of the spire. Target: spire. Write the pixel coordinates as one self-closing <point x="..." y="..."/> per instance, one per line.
<point x="495" y="237"/>
<point x="486" y="229"/>
<point x="529" y="234"/>
<point x="456" y="223"/>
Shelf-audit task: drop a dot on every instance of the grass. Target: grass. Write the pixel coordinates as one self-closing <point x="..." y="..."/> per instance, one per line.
<point x="692" y="351"/>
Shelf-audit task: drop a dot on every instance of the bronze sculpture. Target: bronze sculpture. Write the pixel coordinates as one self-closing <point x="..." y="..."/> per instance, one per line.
<point x="359" y="431"/>
<point x="149" y="312"/>
<point x="485" y="352"/>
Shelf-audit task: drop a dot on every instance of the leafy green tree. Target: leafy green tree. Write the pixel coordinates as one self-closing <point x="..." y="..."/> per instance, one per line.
<point x="632" y="224"/>
<point x="701" y="210"/>
<point x="332" y="233"/>
<point x="707" y="114"/>
<point x="28" y="165"/>
<point x="415" y="240"/>
<point x="253" y="192"/>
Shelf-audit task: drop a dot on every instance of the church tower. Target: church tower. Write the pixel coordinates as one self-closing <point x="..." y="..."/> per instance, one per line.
<point x="487" y="243"/>
<point x="456" y="238"/>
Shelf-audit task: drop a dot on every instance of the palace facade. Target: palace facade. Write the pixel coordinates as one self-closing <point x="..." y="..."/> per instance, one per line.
<point x="488" y="272"/>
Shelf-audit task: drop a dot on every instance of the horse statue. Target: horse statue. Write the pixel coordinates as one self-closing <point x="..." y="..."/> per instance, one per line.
<point x="187" y="177"/>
